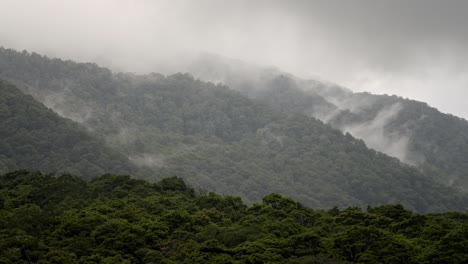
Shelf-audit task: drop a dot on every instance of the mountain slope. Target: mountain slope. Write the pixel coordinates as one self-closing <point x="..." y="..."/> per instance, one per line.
<point x="419" y="134"/>
<point x="33" y="137"/>
<point x="412" y="131"/>
<point x="219" y="140"/>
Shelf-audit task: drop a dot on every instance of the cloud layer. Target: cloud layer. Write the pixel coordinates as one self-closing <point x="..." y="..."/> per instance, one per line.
<point x="417" y="49"/>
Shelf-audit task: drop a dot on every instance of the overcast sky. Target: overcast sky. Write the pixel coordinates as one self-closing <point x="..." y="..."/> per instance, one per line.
<point x="416" y="49"/>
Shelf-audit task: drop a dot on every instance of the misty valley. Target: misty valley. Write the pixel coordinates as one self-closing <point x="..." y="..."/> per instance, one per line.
<point x="225" y="163"/>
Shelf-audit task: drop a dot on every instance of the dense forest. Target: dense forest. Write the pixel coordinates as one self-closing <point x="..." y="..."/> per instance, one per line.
<point x="117" y="219"/>
<point x="216" y="139"/>
<point x="34" y="137"/>
<point x="233" y="132"/>
<point x="412" y="131"/>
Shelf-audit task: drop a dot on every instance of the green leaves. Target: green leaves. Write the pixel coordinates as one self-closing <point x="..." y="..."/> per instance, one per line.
<point x="117" y="219"/>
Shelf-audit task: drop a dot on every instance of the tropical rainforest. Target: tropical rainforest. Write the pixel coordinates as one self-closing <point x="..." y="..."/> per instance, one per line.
<point x="217" y="139"/>
<point x="117" y="219"/>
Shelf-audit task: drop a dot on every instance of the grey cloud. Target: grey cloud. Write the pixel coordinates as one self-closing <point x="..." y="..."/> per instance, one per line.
<point x="417" y="49"/>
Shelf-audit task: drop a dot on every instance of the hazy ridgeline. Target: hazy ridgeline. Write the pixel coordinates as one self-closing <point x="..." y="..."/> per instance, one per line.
<point x="409" y="130"/>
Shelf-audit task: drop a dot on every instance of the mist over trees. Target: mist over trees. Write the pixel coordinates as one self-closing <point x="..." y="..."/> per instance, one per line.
<point x="232" y="132"/>
<point x="409" y="130"/>
<point x="217" y="139"/>
<point x="34" y="137"/>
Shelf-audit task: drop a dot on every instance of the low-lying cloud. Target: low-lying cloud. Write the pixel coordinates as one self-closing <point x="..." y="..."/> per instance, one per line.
<point x="376" y="136"/>
<point x="416" y="49"/>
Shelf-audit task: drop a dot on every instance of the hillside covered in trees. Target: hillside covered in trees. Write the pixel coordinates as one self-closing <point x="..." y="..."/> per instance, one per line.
<point x="412" y="131"/>
<point x="34" y="137"/>
<point x="116" y="219"/>
<point x="219" y="140"/>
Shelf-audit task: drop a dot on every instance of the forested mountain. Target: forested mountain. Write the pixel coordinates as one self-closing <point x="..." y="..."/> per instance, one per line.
<point x="116" y="219"/>
<point x="412" y="131"/>
<point x="34" y="137"/>
<point x="218" y="139"/>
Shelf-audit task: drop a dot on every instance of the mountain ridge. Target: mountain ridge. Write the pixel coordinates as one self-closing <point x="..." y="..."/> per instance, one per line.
<point x="220" y="140"/>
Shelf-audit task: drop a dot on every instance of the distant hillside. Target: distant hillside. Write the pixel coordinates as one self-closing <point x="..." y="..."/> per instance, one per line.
<point x="412" y="131"/>
<point x="34" y="137"/>
<point x="218" y="139"/>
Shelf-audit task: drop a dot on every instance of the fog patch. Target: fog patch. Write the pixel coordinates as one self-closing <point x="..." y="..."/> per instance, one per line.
<point x="268" y="137"/>
<point x="58" y="102"/>
<point x="374" y="134"/>
<point x="355" y="103"/>
<point x="248" y="78"/>
<point x="324" y="115"/>
<point x="126" y="136"/>
<point x="148" y="160"/>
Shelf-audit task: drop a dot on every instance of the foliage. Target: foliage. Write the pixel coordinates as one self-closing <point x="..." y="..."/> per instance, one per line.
<point x="117" y="219"/>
